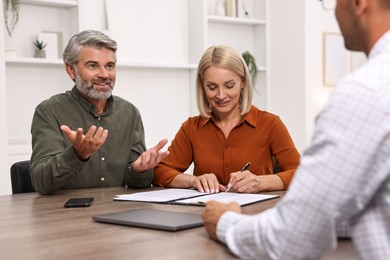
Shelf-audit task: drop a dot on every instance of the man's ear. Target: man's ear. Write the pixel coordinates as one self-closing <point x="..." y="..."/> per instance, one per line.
<point x="360" y="6"/>
<point x="71" y="72"/>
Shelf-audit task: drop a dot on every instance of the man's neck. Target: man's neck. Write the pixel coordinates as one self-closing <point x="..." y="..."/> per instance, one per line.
<point x="100" y="105"/>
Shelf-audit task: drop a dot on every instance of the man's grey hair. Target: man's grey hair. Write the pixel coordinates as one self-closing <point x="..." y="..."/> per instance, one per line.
<point x="89" y="38"/>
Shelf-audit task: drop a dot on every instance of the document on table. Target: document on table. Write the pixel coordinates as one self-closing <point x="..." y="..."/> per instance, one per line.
<point x="227" y="197"/>
<point x="193" y="197"/>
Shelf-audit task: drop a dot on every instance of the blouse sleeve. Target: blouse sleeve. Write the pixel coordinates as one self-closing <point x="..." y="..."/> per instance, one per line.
<point x="179" y="159"/>
<point x="284" y="151"/>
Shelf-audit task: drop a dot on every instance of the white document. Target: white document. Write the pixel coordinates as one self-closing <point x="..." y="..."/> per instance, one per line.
<point x="193" y="197"/>
<point x="166" y="195"/>
<point x="227" y="197"/>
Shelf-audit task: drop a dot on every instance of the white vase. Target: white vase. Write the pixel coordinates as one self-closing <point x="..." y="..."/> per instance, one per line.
<point x="210" y="7"/>
<point x="220" y="8"/>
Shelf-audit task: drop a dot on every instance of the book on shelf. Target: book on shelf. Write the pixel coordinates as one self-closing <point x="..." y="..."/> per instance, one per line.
<point x="231" y="8"/>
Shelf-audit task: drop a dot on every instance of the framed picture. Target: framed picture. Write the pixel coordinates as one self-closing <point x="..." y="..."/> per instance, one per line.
<point x="60" y="43"/>
<point x="53" y="41"/>
<point x="336" y="59"/>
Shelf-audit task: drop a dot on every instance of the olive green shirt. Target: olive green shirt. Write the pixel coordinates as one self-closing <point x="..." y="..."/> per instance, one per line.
<point x="54" y="163"/>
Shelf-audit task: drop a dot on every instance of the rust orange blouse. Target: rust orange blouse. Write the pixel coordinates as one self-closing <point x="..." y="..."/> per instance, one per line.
<point x="259" y="138"/>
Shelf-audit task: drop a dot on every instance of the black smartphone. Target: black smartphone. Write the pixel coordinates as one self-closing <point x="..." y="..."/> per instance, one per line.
<point x="78" y="202"/>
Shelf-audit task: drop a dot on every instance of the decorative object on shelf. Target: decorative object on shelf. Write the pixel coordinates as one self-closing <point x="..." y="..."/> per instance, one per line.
<point x="11" y="14"/>
<point x="11" y="53"/>
<point x="251" y="63"/>
<point x="231" y="8"/>
<point x="242" y="10"/>
<point x="39" y="51"/>
<point x="220" y="8"/>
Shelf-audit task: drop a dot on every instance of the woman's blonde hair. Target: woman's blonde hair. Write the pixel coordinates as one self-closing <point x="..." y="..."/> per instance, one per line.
<point x="226" y="58"/>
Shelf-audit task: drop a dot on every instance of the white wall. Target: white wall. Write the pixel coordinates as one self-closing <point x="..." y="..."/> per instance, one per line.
<point x="296" y="90"/>
<point x="286" y="90"/>
<point x="5" y="187"/>
<point x="317" y="21"/>
<point x="163" y="105"/>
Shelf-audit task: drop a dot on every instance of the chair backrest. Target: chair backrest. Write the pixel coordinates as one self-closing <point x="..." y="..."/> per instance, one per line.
<point x="20" y="178"/>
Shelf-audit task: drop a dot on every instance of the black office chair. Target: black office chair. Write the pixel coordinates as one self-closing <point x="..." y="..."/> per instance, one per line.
<point x="20" y="178"/>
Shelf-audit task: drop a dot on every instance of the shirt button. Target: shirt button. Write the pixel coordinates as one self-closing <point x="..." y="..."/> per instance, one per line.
<point x="103" y="158"/>
<point x="99" y="118"/>
<point x="102" y="179"/>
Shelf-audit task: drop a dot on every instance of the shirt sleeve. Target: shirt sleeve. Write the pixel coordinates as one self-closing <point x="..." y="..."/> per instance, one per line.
<point x="52" y="165"/>
<point x="138" y="179"/>
<point x="179" y="159"/>
<point x="284" y="151"/>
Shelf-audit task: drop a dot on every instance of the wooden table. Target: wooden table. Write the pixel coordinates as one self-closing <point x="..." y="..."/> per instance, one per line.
<point x="34" y="226"/>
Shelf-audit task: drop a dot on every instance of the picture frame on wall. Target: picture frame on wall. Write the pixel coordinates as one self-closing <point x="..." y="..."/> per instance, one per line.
<point x="60" y="42"/>
<point x="54" y="44"/>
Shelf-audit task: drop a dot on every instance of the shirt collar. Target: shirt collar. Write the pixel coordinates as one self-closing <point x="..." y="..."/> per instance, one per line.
<point x="249" y="118"/>
<point x="381" y="45"/>
<point x="88" y="106"/>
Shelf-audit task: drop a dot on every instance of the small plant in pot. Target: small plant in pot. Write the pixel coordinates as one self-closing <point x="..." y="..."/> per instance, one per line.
<point x="39" y="49"/>
<point x="251" y="63"/>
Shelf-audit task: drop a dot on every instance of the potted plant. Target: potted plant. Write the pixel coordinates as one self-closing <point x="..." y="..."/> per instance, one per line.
<point x="39" y="49"/>
<point x="11" y="14"/>
<point x="251" y="63"/>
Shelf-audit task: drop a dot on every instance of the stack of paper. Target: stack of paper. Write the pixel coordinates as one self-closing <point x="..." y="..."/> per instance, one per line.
<point x="193" y="197"/>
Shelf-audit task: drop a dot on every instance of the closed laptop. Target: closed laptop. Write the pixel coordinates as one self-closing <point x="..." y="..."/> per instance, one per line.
<point x="153" y="218"/>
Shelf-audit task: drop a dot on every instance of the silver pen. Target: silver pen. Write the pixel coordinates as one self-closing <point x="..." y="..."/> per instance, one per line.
<point x="246" y="166"/>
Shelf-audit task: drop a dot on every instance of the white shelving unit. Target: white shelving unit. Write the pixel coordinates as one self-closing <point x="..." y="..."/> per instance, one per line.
<point x="157" y="57"/>
<point x="243" y="34"/>
<point x="37" y="16"/>
<point x="235" y="20"/>
<point x="205" y="30"/>
<point x="55" y="3"/>
<point x="37" y="61"/>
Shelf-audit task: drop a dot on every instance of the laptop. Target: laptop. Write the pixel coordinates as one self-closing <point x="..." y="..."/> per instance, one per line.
<point x="153" y="218"/>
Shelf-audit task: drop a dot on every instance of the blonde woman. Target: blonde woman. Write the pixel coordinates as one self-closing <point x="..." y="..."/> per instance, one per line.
<point x="228" y="133"/>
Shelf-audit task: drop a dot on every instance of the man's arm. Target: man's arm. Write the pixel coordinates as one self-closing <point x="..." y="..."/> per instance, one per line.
<point x="140" y="172"/>
<point x="52" y="164"/>
<point x="331" y="185"/>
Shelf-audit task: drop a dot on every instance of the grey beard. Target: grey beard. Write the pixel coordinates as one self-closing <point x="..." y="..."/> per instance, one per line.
<point x="89" y="91"/>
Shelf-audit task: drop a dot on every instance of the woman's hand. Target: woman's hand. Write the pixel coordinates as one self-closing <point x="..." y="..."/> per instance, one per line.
<point x="247" y="182"/>
<point x="208" y="183"/>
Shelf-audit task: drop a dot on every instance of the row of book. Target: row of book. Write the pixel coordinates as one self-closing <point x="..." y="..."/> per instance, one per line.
<point x="231" y="8"/>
